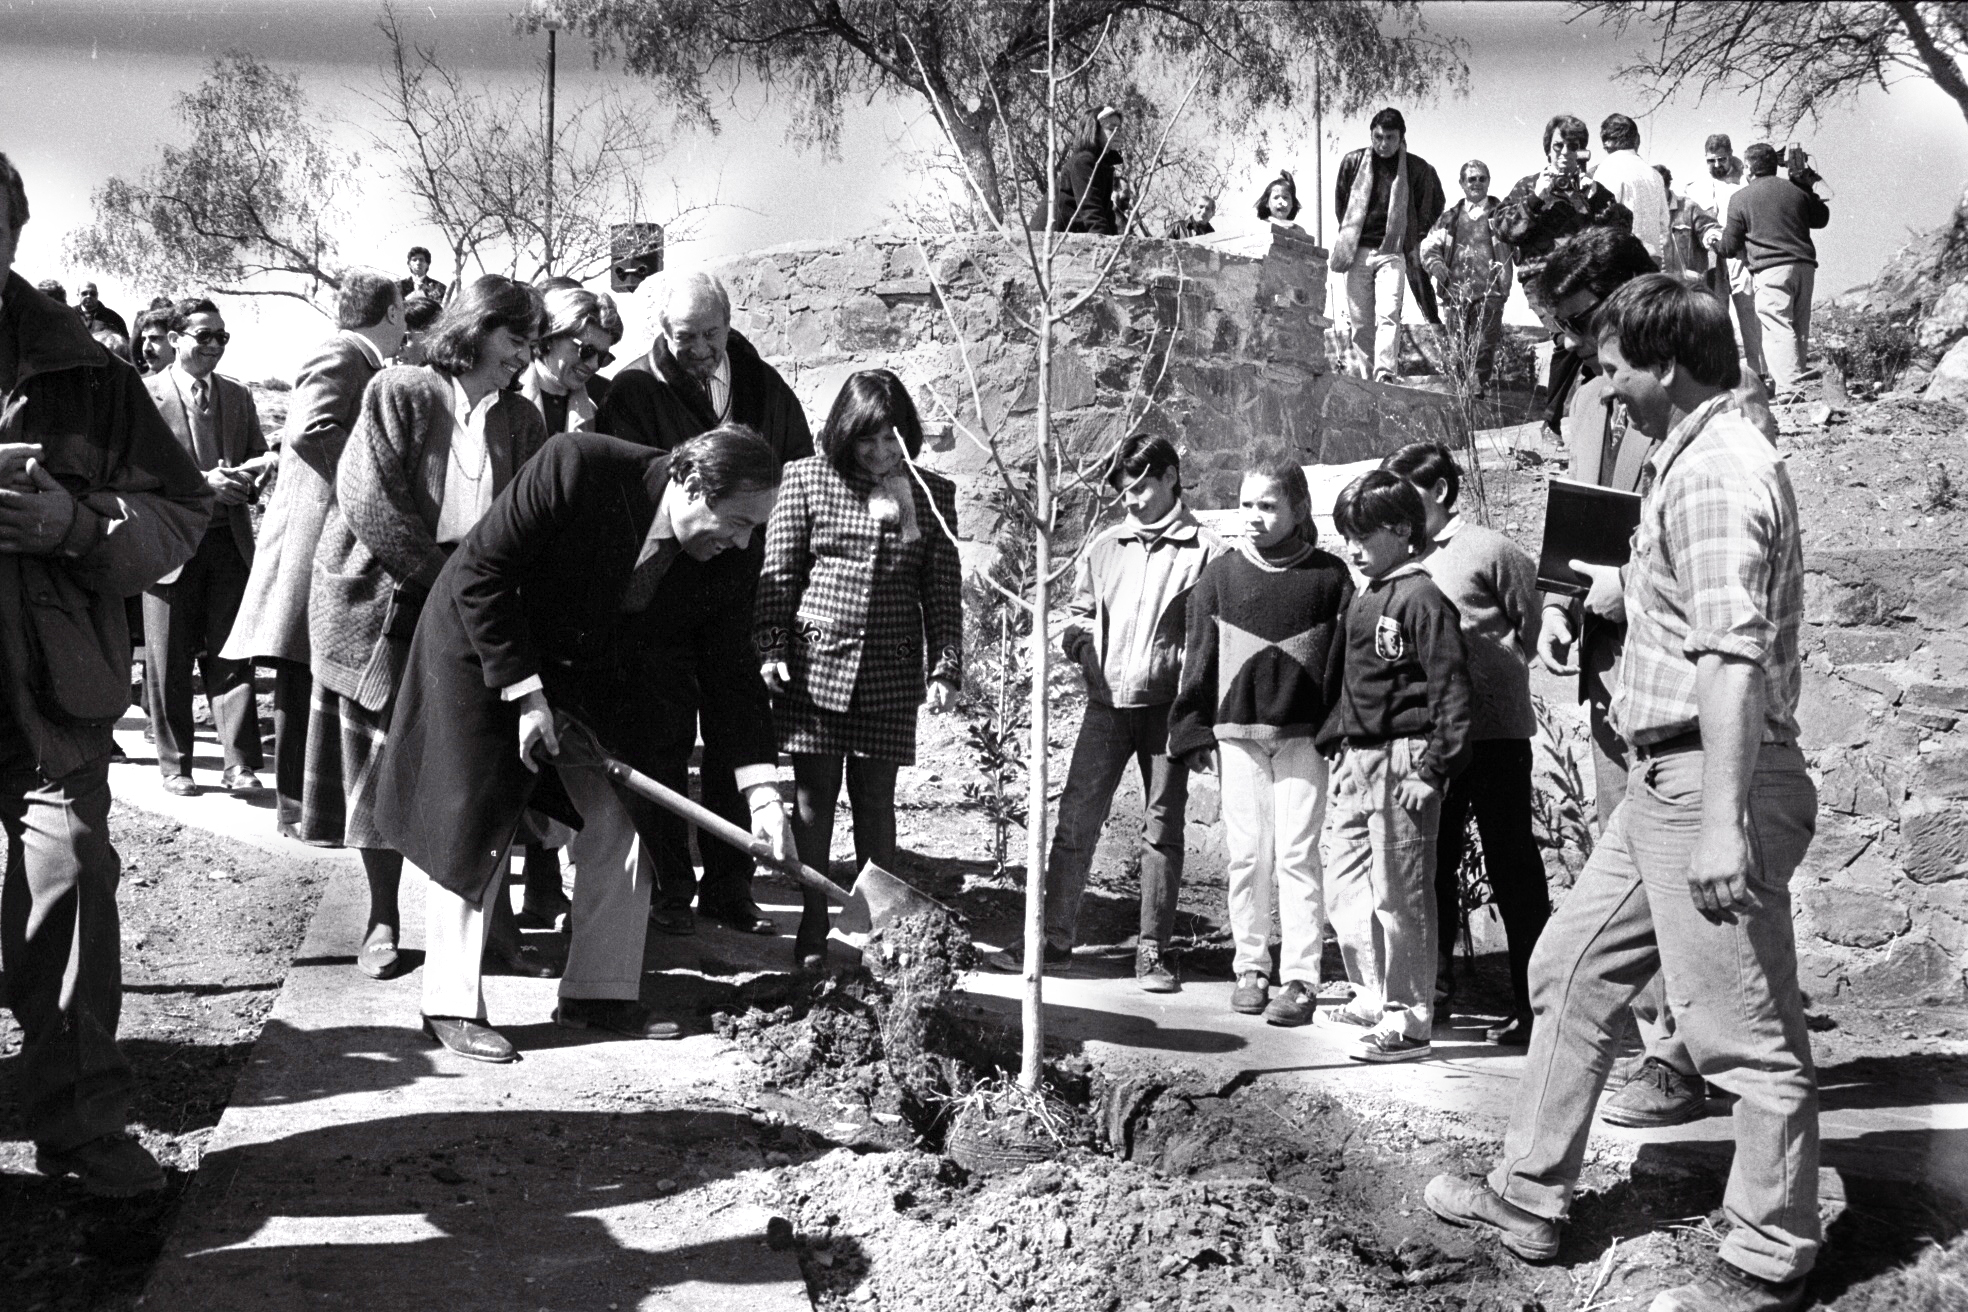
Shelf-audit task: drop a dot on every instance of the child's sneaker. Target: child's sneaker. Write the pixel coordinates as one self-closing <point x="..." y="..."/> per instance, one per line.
<point x="1390" y="1046"/>
<point x="1294" y="1005"/>
<point x="1253" y="991"/>
<point x="1151" y="969"/>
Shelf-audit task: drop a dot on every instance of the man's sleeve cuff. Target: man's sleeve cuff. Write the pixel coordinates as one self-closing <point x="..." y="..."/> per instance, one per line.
<point x="760" y="775"/>
<point x="520" y="689"/>
<point x="84" y="531"/>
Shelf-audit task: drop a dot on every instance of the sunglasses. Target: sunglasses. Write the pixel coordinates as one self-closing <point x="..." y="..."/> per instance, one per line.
<point x="597" y="356"/>
<point x="207" y="336"/>
<point x="1579" y="322"/>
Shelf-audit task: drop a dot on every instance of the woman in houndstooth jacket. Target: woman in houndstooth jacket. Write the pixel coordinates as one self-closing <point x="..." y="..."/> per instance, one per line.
<point x="860" y="616"/>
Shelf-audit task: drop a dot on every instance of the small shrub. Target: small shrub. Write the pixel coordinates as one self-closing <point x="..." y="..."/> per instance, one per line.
<point x="1868" y="348"/>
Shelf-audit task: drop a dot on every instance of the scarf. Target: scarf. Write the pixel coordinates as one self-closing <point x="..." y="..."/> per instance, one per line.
<point x="1347" y="247"/>
<point x="1152" y="533"/>
<point x="892" y="501"/>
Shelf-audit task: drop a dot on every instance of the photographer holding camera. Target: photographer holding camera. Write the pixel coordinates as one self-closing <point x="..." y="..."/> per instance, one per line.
<point x="1769" y="226"/>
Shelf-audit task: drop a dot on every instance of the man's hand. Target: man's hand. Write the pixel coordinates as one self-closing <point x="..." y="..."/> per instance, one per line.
<point x="34" y="522"/>
<point x="1547" y="182"/>
<point x="231" y="488"/>
<point x="1555" y="638"/>
<point x="1718" y="870"/>
<point x="772" y="826"/>
<point x="1414" y="793"/>
<point x="15" y="455"/>
<point x="1712" y="239"/>
<point x="536" y="729"/>
<point x="1201" y="761"/>
<point x="942" y="697"/>
<point x="1608" y="596"/>
<point x="776" y="676"/>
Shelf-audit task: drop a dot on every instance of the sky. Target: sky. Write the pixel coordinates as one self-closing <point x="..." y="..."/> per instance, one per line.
<point x="87" y="88"/>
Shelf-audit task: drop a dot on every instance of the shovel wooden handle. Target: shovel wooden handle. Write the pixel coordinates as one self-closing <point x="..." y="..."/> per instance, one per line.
<point x="713" y="823"/>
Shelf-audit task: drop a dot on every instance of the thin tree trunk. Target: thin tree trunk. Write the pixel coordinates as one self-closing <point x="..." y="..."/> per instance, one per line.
<point x="1946" y="74"/>
<point x="973" y="142"/>
<point x="1032" y="1057"/>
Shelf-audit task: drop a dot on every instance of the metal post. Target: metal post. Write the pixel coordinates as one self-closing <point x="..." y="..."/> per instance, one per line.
<point x="547" y="229"/>
<point x="1318" y="153"/>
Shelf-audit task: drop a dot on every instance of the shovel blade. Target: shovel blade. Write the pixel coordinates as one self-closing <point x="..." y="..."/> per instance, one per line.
<point x="880" y="899"/>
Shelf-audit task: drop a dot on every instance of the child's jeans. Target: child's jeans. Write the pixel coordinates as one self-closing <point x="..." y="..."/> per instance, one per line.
<point x="1109" y="738"/>
<point x="1274" y="803"/>
<point x="1381" y="886"/>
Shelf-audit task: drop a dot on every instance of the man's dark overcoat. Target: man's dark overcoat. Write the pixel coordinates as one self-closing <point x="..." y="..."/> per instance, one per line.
<point x="652" y="403"/>
<point x="536" y="589"/>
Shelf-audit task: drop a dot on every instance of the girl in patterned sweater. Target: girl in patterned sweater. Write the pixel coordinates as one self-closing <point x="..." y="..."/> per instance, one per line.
<point x="1259" y="674"/>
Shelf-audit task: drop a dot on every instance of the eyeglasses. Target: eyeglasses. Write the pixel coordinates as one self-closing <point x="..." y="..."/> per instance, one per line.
<point x="1579" y="322"/>
<point x="207" y="336"/>
<point x="596" y="356"/>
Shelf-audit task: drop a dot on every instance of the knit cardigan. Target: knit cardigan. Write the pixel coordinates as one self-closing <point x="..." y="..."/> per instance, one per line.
<point x="1264" y="655"/>
<point x="382" y="530"/>
<point x="1493" y="585"/>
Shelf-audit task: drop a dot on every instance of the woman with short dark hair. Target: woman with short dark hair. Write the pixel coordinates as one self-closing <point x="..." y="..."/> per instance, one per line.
<point x="1083" y="189"/>
<point x="860" y="615"/>
<point x="431" y="448"/>
<point x="582" y="328"/>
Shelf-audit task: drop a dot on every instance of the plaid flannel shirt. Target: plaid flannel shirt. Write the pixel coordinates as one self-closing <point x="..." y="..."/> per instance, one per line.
<point x="1718" y="566"/>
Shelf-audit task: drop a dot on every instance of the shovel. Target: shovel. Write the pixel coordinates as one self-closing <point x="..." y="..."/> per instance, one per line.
<point x="879" y="899"/>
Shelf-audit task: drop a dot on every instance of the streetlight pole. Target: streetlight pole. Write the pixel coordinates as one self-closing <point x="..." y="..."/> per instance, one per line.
<point x="547" y="229"/>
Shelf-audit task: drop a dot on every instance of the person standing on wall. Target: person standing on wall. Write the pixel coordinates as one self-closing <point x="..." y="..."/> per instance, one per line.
<point x="860" y="619"/>
<point x="1472" y="270"/>
<point x="420" y="283"/>
<point x="1387" y="199"/>
<point x="1692" y="875"/>
<point x="1083" y="189"/>
<point x="273" y="624"/>
<point x="1727" y="279"/>
<point x="1634" y="183"/>
<point x="189" y="615"/>
<point x="97" y="501"/>
<point x="699" y="374"/>
<point x="1769" y="225"/>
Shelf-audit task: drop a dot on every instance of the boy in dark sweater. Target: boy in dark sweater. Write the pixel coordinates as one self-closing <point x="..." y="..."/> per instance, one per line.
<point x="1259" y="674"/>
<point x="1400" y="728"/>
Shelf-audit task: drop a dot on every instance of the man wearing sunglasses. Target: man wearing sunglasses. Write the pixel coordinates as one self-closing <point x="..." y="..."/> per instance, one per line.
<point x="190" y="613"/>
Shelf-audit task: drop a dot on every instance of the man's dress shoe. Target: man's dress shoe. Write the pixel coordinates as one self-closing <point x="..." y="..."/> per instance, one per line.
<point x="470" y="1038"/>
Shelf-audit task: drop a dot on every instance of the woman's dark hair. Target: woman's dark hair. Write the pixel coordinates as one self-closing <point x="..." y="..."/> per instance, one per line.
<point x="871" y="401"/>
<point x="1264" y="197"/>
<point x="1092" y="136"/>
<point x="1658" y="322"/>
<point x="1601" y="259"/>
<point x="420" y="312"/>
<point x="1577" y="134"/>
<point x="1289" y="478"/>
<point x="1425" y="464"/>
<point x="475" y="310"/>
<point x="1143" y="453"/>
<point x="726" y="460"/>
<point x="1381" y="499"/>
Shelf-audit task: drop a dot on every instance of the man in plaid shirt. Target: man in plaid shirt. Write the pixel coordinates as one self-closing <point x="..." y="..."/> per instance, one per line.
<point x="1692" y="874"/>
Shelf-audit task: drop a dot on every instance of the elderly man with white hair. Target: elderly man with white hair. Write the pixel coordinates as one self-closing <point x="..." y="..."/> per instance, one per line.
<point x="699" y="374"/>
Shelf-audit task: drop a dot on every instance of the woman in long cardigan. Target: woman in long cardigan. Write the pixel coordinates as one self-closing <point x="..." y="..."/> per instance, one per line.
<point x="860" y="615"/>
<point x="1083" y="194"/>
<point x="431" y="448"/>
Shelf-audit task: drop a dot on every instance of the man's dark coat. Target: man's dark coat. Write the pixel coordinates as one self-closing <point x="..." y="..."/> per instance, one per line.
<point x="536" y="589"/>
<point x="651" y="402"/>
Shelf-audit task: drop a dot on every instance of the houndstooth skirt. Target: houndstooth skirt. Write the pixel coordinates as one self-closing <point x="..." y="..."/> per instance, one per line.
<point x="888" y="735"/>
<point x="338" y="783"/>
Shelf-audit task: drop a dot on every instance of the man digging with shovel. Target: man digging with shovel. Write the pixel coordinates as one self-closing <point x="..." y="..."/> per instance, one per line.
<point x="599" y="584"/>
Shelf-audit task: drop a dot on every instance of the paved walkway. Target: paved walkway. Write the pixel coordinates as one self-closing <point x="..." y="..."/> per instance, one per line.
<point x="359" y="1164"/>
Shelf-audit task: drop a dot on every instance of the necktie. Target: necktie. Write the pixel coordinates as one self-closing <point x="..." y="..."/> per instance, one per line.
<point x="647" y="575"/>
<point x="201" y="395"/>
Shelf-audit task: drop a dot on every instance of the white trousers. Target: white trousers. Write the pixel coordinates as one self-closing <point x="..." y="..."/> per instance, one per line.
<point x="613" y="875"/>
<point x="1375" y="288"/>
<point x="1783" y="307"/>
<point x="1274" y="805"/>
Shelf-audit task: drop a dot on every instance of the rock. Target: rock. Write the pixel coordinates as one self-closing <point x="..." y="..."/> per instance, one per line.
<point x="778" y="1233"/>
<point x="1854" y="918"/>
<point x="1950" y="380"/>
<point x="1933" y="840"/>
<point x="1912" y="969"/>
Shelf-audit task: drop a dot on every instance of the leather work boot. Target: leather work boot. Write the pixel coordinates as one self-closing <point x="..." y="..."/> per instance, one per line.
<point x="1151" y="970"/>
<point x="1471" y="1203"/>
<point x="112" y="1166"/>
<point x="1731" y="1289"/>
<point x="1294" y="1005"/>
<point x="1656" y="1096"/>
<point x="1252" y="992"/>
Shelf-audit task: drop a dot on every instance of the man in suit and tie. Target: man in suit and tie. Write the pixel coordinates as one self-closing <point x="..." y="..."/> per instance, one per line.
<point x="698" y="375"/>
<point x="420" y="283"/>
<point x="215" y="421"/>
<point x="272" y="626"/>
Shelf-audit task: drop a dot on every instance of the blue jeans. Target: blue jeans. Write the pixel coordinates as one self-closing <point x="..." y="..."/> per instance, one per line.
<point x="1732" y="985"/>
<point x="62" y="942"/>
<point x="1111" y="736"/>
